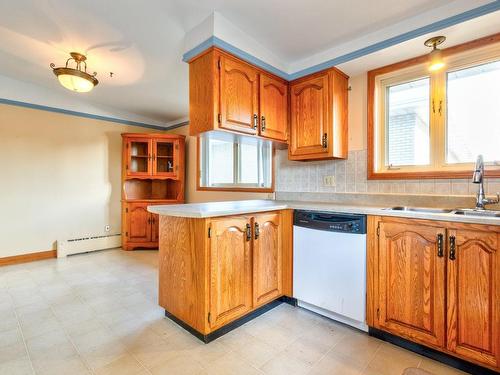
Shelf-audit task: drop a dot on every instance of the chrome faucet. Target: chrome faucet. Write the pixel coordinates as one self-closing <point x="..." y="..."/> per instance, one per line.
<point x="477" y="178"/>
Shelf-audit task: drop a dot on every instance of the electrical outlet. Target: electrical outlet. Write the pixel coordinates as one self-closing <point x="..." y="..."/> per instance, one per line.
<point x="329" y="181"/>
<point x="107" y="228"/>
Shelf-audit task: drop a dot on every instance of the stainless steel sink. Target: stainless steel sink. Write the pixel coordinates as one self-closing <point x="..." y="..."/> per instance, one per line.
<point x="479" y="213"/>
<point x="421" y="209"/>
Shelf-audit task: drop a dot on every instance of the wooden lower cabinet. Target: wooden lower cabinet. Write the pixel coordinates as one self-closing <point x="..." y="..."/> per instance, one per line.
<point x="267" y="258"/>
<point x="437" y="284"/>
<point x="412" y="281"/>
<point x="216" y="270"/>
<point x="230" y="269"/>
<point x="140" y="227"/>
<point x="474" y="295"/>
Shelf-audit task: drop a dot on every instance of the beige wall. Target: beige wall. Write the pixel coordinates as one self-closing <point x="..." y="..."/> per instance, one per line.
<point x="192" y="195"/>
<point x="357" y="112"/>
<point x="60" y="178"/>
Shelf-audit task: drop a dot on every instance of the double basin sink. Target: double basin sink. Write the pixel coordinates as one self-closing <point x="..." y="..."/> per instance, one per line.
<point x="457" y="211"/>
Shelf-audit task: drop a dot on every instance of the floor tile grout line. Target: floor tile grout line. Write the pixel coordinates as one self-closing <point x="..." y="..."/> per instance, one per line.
<point x="24" y="342"/>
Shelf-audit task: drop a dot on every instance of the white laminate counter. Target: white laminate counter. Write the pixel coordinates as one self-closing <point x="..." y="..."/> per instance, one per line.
<point x="214" y="209"/>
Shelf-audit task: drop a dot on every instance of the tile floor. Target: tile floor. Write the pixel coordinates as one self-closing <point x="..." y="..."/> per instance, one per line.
<point x="97" y="314"/>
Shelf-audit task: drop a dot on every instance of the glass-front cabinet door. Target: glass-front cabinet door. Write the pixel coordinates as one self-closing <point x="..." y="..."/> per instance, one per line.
<point x="165" y="157"/>
<point x="139" y="157"/>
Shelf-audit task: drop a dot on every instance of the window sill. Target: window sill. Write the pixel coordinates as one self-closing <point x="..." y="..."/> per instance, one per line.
<point x="236" y="189"/>
<point x="418" y="175"/>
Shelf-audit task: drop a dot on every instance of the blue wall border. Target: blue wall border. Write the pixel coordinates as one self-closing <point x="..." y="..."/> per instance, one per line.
<point x="435" y="26"/>
<point x="88" y="115"/>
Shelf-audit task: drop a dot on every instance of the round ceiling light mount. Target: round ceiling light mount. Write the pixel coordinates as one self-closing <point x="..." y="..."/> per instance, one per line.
<point x="75" y="79"/>
<point x="436" y="61"/>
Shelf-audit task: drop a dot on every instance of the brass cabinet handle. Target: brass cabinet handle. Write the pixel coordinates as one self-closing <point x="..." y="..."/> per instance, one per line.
<point x="440" y="245"/>
<point x="452" y="248"/>
<point x="257" y="231"/>
<point x="255" y="121"/>
<point x="249" y="232"/>
<point x="263" y="123"/>
<point x="154" y="157"/>
<point x="325" y="140"/>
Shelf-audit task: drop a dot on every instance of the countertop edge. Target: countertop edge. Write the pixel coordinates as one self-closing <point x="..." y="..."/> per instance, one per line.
<point x="201" y="211"/>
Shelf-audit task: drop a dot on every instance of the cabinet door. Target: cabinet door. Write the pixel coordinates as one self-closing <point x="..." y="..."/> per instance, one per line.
<point x="139" y="223"/>
<point x="267" y="258"/>
<point x="310" y="119"/>
<point x="273" y="108"/>
<point x="230" y="269"/>
<point x="412" y="281"/>
<point x="139" y="158"/>
<point x="238" y="96"/>
<point x="165" y="157"/>
<point x="473" y="295"/>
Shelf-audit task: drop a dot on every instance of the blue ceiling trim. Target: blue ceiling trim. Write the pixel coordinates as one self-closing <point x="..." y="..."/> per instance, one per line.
<point x="214" y="41"/>
<point x="439" y="25"/>
<point x="81" y="114"/>
<point x="435" y="26"/>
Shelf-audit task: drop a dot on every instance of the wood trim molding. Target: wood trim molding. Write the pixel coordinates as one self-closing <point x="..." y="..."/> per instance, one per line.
<point x="30" y="257"/>
<point x="373" y="74"/>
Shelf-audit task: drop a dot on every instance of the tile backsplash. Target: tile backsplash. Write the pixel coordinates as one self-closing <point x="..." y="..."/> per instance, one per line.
<point x="350" y="177"/>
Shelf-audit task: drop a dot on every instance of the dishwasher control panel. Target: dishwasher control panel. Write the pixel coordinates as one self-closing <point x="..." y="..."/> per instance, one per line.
<point x="330" y="221"/>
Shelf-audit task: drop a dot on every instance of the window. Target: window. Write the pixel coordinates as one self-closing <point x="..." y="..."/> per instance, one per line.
<point x="233" y="162"/>
<point x="434" y="125"/>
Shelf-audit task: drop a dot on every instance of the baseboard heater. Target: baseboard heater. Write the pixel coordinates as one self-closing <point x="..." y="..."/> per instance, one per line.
<point x="87" y="244"/>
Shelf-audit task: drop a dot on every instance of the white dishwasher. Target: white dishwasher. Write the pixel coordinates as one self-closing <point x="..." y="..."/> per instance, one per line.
<point x="329" y="265"/>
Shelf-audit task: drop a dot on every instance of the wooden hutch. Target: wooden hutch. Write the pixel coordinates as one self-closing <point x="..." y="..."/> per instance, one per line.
<point x="152" y="173"/>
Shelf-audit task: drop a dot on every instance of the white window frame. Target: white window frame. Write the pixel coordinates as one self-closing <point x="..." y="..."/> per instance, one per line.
<point x="265" y="183"/>
<point x="437" y="111"/>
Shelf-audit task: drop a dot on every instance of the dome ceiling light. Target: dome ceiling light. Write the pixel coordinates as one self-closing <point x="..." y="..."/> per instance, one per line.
<point x="75" y="79"/>
<point x="436" y="61"/>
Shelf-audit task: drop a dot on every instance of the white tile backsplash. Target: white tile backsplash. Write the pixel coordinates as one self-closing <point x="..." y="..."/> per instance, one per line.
<point x="350" y="177"/>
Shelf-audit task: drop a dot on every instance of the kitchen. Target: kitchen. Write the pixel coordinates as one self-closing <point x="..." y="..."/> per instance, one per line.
<point x="336" y="215"/>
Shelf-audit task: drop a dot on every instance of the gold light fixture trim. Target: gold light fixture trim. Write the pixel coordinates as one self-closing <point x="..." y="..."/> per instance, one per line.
<point x="75" y="79"/>
<point x="436" y="61"/>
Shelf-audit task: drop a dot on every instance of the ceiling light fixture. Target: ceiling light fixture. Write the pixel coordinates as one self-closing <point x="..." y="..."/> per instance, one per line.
<point x="75" y="79"/>
<point x="436" y="61"/>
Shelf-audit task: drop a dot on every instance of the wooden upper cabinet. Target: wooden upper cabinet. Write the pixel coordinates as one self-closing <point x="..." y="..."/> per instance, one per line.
<point x="309" y="117"/>
<point x="230" y="269"/>
<point x="318" y="116"/>
<point x="165" y="157"/>
<point x="412" y="281"/>
<point x="226" y="93"/>
<point x="267" y="258"/>
<point x="273" y="108"/>
<point x="139" y="157"/>
<point x="239" y="102"/>
<point x="474" y="295"/>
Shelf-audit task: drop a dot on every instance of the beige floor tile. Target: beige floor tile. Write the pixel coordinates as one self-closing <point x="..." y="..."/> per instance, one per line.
<point x="307" y="349"/>
<point x="179" y="365"/>
<point x="256" y="352"/>
<point x="392" y="360"/>
<point x="336" y="364"/>
<point x="104" y="354"/>
<point x="285" y="364"/>
<point x="208" y="353"/>
<point x="438" y="368"/>
<point x="357" y="347"/>
<point x="20" y="366"/>
<point x="124" y="365"/>
<point x="10" y="337"/>
<point x="61" y="366"/>
<point x="231" y="364"/>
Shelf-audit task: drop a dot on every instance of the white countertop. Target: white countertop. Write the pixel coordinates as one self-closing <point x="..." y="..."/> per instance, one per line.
<point x="213" y="209"/>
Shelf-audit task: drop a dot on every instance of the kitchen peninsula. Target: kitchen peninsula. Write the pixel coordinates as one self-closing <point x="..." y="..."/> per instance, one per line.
<point x="222" y="263"/>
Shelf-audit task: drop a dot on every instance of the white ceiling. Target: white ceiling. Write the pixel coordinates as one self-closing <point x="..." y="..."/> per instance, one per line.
<point x="142" y="42"/>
